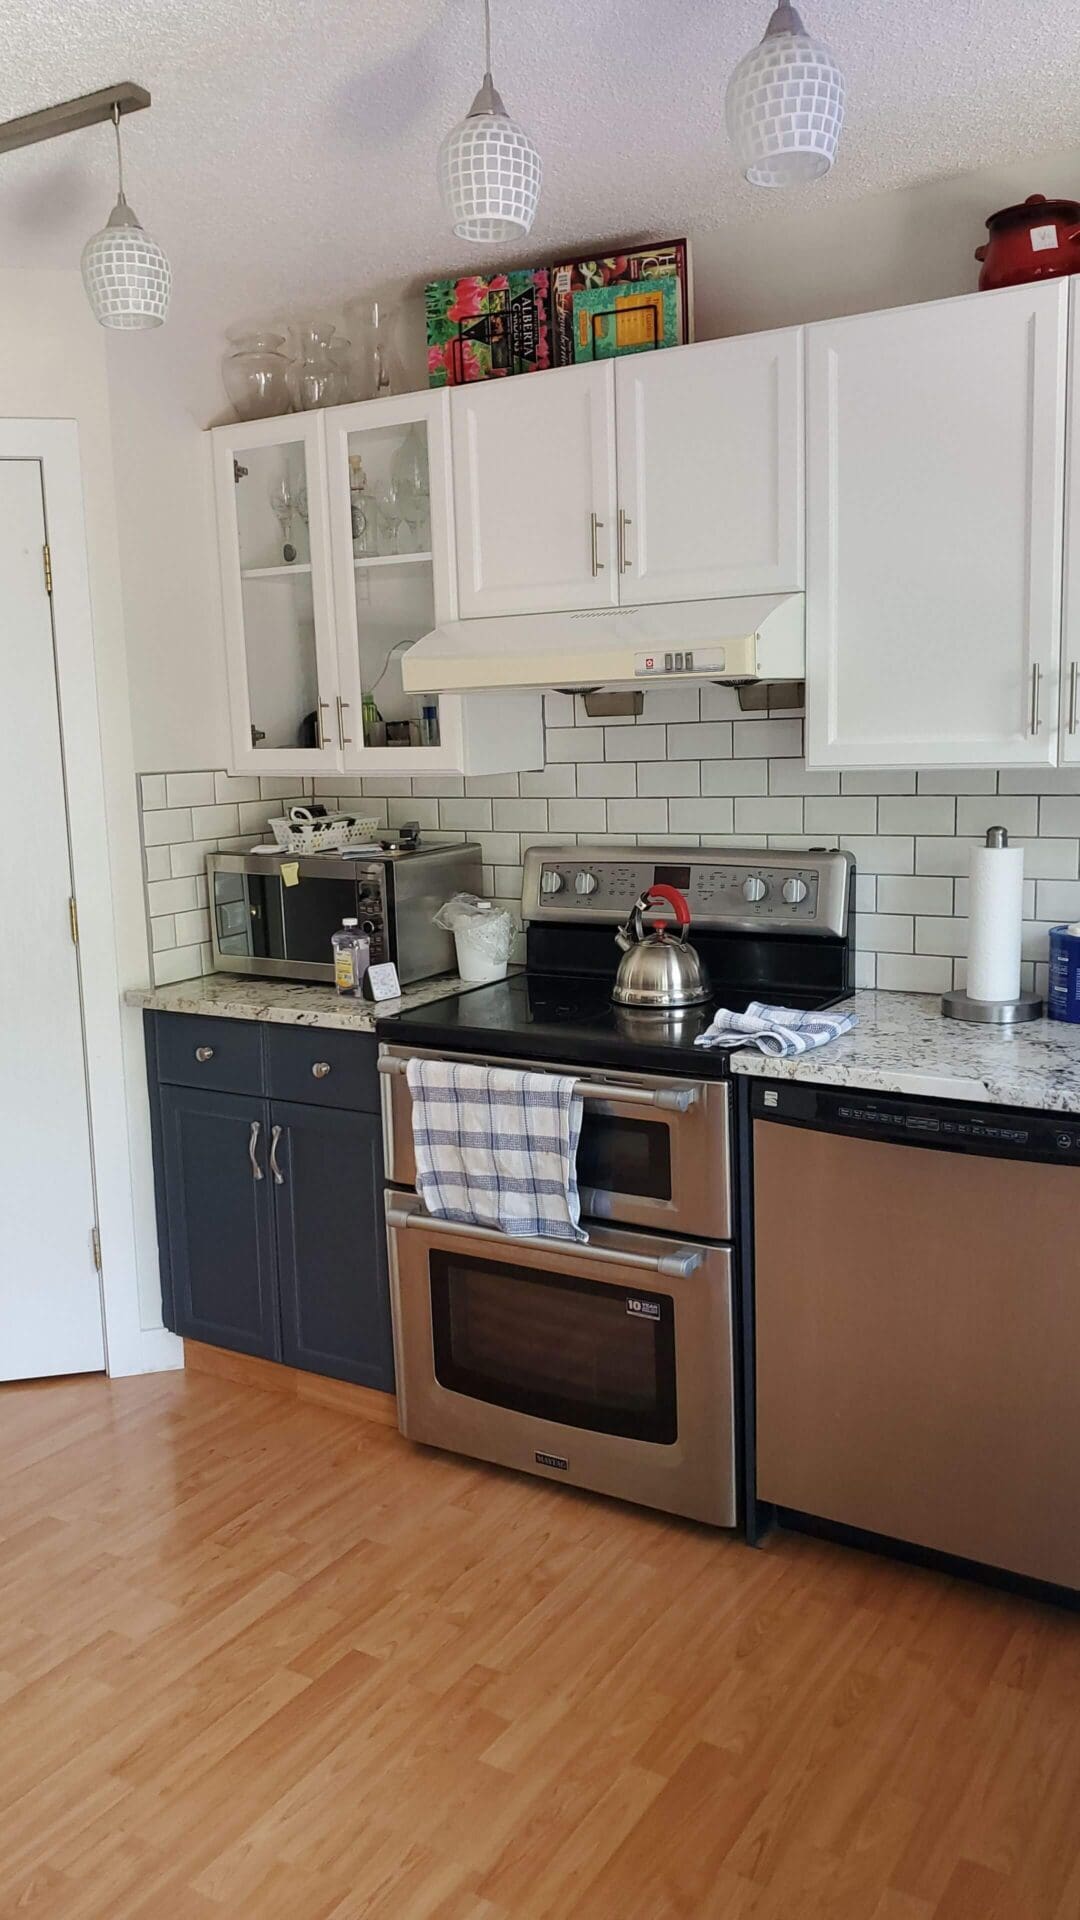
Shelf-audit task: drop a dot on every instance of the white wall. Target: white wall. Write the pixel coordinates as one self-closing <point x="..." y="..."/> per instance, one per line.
<point x="800" y="260"/>
<point x="52" y="365"/>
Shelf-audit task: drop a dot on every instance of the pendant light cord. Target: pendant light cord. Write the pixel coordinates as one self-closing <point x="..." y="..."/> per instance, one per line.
<point x="487" y="36"/>
<point x="119" y="149"/>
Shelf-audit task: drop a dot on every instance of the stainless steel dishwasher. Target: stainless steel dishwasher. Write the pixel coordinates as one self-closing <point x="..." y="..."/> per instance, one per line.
<point x="917" y="1289"/>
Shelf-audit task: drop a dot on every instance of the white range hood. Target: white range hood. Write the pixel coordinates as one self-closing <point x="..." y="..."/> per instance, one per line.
<point x="761" y="637"/>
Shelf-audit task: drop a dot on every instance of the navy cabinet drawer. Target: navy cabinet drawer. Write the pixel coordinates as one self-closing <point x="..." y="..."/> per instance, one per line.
<point x="323" y="1067"/>
<point x="196" y="1051"/>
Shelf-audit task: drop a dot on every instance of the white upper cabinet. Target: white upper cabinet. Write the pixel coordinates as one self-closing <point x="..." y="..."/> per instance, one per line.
<point x="935" y="476"/>
<point x="534" y="488"/>
<point x="337" y="555"/>
<point x="275" y="581"/>
<point x="1069" y="754"/>
<point x="710" y="458"/>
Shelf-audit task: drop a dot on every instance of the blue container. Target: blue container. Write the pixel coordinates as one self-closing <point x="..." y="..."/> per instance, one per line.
<point x="1064" y="998"/>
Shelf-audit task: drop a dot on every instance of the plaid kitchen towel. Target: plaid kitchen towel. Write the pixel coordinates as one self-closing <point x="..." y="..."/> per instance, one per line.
<point x="496" y="1147"/>
<point x="778" y="1031"/>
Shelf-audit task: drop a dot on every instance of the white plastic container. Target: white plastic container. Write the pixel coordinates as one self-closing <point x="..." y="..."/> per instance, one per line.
<point x="479" y="937"/>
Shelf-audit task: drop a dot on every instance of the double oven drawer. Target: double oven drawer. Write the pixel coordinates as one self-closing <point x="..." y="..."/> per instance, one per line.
<point x="607" y="1366"/>
<point x="654" y="1151"/>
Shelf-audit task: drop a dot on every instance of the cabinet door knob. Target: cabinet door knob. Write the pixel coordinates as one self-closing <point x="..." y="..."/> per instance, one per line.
<point x="253" y="1147"/>
<point x="203" y="1054"/>
<point x="321" y="1069"/>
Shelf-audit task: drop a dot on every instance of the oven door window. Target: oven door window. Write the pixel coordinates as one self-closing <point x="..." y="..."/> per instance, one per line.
<point x="619" y="1155"/>
<point x="555" y="1345"/>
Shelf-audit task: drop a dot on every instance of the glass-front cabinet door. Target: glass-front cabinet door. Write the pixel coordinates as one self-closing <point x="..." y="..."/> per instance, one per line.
<point x="274" y="534"/>
<point x="391" y="518"/>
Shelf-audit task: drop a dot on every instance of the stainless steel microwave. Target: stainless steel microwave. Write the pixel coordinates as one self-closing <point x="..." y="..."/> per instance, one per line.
<point x="274" y="914"/>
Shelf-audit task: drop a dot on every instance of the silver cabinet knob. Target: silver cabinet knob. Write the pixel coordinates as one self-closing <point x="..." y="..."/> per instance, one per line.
<point x="203" y="1054"/>
<point x="794" y="890"/>
<point x="754" y="888"/>
<point x="321" y="1069"/>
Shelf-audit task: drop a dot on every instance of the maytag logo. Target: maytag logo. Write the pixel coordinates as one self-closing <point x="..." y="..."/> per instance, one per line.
<point x="644" y="1309"/>
<point x="552" y="1460"/>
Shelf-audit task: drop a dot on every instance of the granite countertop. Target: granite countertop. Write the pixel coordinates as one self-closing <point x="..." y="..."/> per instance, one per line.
<point x="903" y="1045"/>
<point x="233" y="996"/>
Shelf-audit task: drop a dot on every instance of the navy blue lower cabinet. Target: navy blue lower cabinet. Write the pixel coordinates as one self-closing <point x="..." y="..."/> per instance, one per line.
<point x="326" y="1181"/>
<point x="220" y="1215"/>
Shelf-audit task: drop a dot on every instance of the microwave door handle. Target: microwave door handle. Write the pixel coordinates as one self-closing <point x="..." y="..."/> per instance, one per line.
<point x="678" y="1264"/>
<point x="669" y="1099"/>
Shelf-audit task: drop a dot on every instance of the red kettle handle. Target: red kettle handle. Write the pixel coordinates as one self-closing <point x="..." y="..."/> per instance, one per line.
<point x="675" y="900"/>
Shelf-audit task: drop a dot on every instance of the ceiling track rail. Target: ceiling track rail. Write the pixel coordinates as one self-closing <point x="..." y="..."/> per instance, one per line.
<point x="124" y="96"/>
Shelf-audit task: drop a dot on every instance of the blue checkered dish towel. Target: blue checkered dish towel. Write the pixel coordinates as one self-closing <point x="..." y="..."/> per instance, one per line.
<point x="778" y="1031"/>
<point x="496" y="1147"/>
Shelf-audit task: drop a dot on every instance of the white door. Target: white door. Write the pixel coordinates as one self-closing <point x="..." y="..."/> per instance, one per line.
<point x="1069" y="748"/>
<point x="711" y="469"/>
<point x="935" y="474"/>
<point x="534" y="492"/>
<point x="50" y="1301"/>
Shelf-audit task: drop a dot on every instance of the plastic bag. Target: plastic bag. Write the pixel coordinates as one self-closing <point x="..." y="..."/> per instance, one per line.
<point x="483" y="935"/>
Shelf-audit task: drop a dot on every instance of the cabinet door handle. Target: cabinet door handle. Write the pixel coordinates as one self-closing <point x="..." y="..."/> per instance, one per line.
<point x="1036" y="693"/>
<point x="279" y="1177"/>
<point x="1074" y="673"/>
<point x="595" y="526"/>
<point x="253" y="1142"/>
<point x="625" y="562"/>
<point x="203" y="1054"/>
<point x="320" y="1069"/>
<point x="320" y="724"/>
<point x="342" y="709"/>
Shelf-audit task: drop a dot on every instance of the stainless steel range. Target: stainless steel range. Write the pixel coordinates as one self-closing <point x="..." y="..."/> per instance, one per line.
<point x="609" y="1365"/>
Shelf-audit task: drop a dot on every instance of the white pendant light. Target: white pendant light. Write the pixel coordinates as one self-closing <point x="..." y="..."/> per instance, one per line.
<point x="489" y="170"/>
<point x="785" y="106"/>
<point x="126" y="275"/>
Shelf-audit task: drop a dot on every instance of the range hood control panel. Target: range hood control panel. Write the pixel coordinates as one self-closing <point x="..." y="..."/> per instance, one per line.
<point x="726" y="888"/>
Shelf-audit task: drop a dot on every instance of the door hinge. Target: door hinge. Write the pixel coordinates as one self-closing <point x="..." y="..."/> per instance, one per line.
<point x="46" y="557"/>
<point x="73" y="916"/>
<point x="95" y="1247"/>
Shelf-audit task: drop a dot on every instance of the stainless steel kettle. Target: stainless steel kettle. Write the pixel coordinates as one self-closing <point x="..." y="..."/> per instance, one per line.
<point x="657" y="970"/>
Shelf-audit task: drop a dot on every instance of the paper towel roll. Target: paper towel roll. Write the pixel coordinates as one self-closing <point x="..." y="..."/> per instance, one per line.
<point x="995" y="916"/>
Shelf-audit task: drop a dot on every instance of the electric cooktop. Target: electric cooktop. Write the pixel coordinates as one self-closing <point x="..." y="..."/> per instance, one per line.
<point x="572" y="1018"/>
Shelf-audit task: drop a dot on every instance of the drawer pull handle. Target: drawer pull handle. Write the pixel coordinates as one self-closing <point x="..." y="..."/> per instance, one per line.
<point x="203" y="1054"/>
<point x="321" y="1069"/>
<point x="279" y="1177"/>
<point x="253" y="1141"/>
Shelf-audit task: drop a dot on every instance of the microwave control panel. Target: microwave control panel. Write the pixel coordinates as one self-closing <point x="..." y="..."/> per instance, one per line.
<point x="805" y="892"/>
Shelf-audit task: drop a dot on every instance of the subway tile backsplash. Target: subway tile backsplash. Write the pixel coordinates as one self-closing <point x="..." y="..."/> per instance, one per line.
<point x="693" y="769"/>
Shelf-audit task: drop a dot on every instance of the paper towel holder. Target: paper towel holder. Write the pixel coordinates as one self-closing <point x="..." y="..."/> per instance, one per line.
<point x="959" y="1005"/>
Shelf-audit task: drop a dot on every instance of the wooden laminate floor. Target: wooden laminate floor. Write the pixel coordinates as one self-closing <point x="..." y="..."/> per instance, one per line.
<point x="264" y="1660"/>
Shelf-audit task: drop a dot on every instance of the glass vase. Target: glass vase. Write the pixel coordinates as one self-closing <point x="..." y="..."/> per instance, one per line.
<point x="255" y="375"/>
<point x="318" y="377"/>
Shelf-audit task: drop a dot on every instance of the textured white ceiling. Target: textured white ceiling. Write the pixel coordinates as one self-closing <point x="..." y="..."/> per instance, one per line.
<point x="288" y="159"/>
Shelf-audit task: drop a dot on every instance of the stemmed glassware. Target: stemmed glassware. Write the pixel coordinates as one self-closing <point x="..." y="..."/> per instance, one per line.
<point x="390" y="505"/>
<point x="283" y="506"/>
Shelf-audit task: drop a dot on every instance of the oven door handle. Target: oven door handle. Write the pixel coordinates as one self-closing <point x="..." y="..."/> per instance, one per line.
<point x="678" y="1264"/>
<point x="669" y="1099"/>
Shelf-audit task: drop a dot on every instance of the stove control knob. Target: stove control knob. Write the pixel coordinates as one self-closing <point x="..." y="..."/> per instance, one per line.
<point x="754" y="888"/>
<point x="794" y="891"/>
<point x="551" y="880"/>
<point x="586" y="882"/>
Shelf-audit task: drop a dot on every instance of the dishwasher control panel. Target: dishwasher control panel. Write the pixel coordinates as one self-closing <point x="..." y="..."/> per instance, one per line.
<point x="921" y="1122"/>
